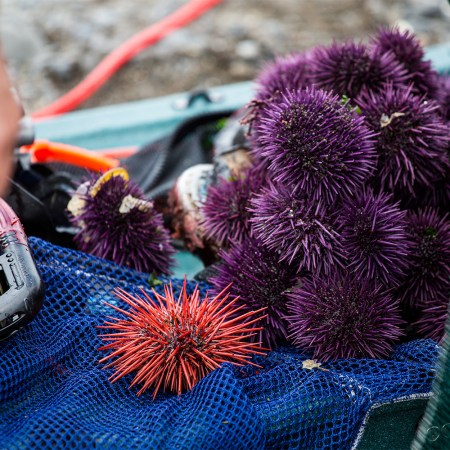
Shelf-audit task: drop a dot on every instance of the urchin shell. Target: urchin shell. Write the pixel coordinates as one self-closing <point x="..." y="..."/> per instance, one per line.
<point x="171" y="343"/>
<point x="349" y="68"/>
<point x="412" y="139"/>
<point x="428" y="276"/>
<point x="226" y="218"/>
<point x="184" y="200"/>
<point x="260" y="281"/>
<point x="291" y="72"/>
<point x="117" y="223"/>
<point x="409" y="53"/>
<point x="316" y="145"/>
<point x="303" y="232"/>
<point x="339" y="316"/>
<point x="374" y="237"/>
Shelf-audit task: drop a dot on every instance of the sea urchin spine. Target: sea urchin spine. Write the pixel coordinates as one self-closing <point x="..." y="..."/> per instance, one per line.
<point x="172" y="344"/>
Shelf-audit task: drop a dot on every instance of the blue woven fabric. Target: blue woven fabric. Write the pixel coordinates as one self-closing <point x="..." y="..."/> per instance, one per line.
<point x="54" y="394"/>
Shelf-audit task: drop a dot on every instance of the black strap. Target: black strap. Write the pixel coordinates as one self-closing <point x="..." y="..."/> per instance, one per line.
<point x="157" y="165"/>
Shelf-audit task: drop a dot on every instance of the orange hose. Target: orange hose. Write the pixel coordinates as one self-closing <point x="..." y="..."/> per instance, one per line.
<point x="42" y="151"/>
<point x="121" y="55"/>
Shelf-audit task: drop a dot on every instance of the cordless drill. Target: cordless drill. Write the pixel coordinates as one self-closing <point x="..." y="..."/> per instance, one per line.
<point x="21" y="287"/>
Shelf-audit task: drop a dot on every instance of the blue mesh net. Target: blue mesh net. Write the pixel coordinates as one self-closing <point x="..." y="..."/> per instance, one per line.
<point x="54" y="394"/>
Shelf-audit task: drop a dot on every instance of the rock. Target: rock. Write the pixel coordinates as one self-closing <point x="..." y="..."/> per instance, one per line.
<point x="248" y="49"/>
<point x="20" y="39"/>
<point x="63" y="69"/>
<point x="105" y="19"/>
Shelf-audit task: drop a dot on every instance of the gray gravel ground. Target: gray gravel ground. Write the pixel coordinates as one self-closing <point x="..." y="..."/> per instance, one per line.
<point x="51" y="44"/>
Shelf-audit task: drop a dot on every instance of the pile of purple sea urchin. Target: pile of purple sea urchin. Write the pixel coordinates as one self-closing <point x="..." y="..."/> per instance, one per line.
<point x="346" y="236"/>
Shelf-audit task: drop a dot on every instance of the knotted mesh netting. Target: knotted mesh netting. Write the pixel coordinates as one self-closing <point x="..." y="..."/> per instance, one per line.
<point x="55" y="394"/>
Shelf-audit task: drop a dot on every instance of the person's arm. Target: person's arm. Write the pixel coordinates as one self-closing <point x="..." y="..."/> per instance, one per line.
<point x="9" y="122"/>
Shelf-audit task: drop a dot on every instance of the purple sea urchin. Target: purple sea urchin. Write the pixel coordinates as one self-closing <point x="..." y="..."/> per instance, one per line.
<point x="225" y="213"/>
<point x="285" y="73"/>
<point x="260" y="281"/>
<point x="437" y="196"/>
<point x="429" y="272"/>
<point x="117" y="223"/>
<point x="348" y="68"/>
<point x="431" y="323"/>
<point x="412" y="139"/>
<point x="444" y="97"/>
<point x="316" y="145"/>
<point x="409" y="53"/>
<point x="299" y="230"/>
<point x="339" y="316"/>
<point x="374" y="237"/>
<point x="173" y="343"/>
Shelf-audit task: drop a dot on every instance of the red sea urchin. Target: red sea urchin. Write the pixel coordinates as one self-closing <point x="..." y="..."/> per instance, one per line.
<point x="117" y="223"/>
<point x="260" y="281"/>
<point x="172" y="344"/>
<point x="339" y="316"/>
<point x="412" y="139"/>
<point x="374" y="238"/>
<point x="316" y="145"/>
